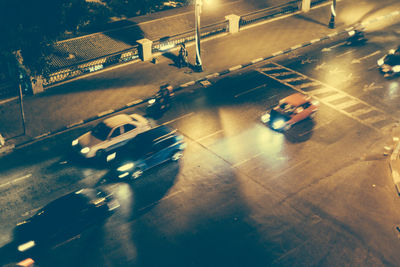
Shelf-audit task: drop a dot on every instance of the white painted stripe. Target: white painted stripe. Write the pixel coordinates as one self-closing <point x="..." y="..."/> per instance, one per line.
<point x="361" y="111"/>
<point x="42" y="135"/>
<point x="17" y="179"/>
<point x="216" y="74"/>
<point x="209" y="135"/>
<point x="315" y="40"/>
<point x="187" y="84"/>
<point x="284" y="73"/>
<point x="320" y="90"/>
<point x="374" y="119"/>
<point x="269" y="68"/>
<point x="181" y="117"/>
<point x="74" y="124"/>
<point x="8" y="100"/>
<point x="105" y="113"/>
<point x="333" y="34"/>
<point x="277" y="53"/>
<point x="349" y="103"/>
<point x="333" y="97"/>
<point x="295" y="79"/>
<point x="295" y="47"/>
<point x="257" y="60"/>
<point x="345" y="53"/>
<point x="235" y="68"/>
<point x="134" y="102"/>
<point x="308" y="84"/>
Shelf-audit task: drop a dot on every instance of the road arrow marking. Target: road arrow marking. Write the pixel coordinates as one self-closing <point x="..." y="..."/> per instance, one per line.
<point x="327" y="49"/>
<point x="367" y="56"/>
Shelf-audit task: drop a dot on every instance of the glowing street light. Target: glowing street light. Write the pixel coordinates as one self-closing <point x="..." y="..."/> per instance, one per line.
<point x="333" y="15"/>
<point x="197" y="11"/>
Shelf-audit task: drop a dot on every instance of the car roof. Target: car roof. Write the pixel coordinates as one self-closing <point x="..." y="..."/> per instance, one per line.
<point x="295" y="99"/>
<point x="118" y="120"/>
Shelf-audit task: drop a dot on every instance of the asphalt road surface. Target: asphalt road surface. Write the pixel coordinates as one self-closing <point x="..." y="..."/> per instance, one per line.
<point x="243" y="195"/>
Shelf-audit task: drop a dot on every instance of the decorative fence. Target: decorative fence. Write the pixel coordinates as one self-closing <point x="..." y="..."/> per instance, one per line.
<point x="166" y="43"/>
<point x="90" y="66"/>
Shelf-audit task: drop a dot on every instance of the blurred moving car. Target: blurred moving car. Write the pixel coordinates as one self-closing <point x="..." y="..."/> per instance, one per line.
<point x="389" y="64"/>
<point x="63" y="219"/>
<point x="113" y="132"/>
<point x="290" y="110"/>
<point x="147" y="150"/>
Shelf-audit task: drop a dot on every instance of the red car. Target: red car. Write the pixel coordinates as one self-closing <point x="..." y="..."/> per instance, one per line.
<point x="290" y="110"/>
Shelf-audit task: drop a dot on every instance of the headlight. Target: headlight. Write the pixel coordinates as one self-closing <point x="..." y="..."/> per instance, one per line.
<point x="75" y="142"/>
<point x="85" y="150"/>
<point x="182" y="146"/>
<point x="151" y="101"/>
<point x="380" y="61"/>
<point x="25" y="246"/>
<point x="265" y="118"/>
<point x="126" y="167"/>
<point x="111" y="157"/>
<point x="396" y="68"/>
<point x="278" y="124"/>
<point x="123" y="175"/>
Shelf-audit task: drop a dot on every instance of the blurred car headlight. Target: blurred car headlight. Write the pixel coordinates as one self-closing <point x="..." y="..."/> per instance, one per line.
<point x="85" y="150"/>
<point x="75" y="142"/>
<point x="278" y="124"/>
<point x="111" y="157"/>
<point x="265" y="118"/>
<point x="396" y="68"/>
<point x="25" y="246"/>
<point x="391" y="51"/>
<point x="126" y="167"/>
<point x="151" y="101"/>
<point x="123" y="175"/>
<point x="182" y="146"/>
<point x="381" y="61"/>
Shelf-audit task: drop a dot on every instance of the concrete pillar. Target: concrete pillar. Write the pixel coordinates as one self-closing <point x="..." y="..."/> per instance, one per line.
<point x="233" y="23"/>
<point x="37" y="84"/>
<point x="145" y="49"/>
<point x="305" y="5"/>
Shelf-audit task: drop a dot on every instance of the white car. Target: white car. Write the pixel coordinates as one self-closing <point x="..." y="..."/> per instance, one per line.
<point x="389" y="64"/>
<point x="110" y="134"/>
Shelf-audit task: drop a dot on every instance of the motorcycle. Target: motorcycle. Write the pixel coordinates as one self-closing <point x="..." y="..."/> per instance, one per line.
<point x="182" y="58"/>
<point x="159" y="103"/>
<point x="356" y="37"/>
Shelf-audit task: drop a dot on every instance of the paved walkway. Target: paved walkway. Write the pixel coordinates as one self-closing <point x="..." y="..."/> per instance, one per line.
<point x="74" y="102"/>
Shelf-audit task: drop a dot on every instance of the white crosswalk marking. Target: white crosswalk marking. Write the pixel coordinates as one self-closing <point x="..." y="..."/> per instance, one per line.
<point x="294" y="79"/>
<point x="333" y="97"/>
<point x="361" y="111"/>
<point x="306" y="85"/>
<point x="349" y="103"/>
<point x="318" y="91"/>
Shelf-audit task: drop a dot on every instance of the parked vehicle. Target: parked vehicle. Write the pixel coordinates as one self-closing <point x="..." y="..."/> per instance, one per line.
<point x="356" y="37"/>
<point x="147" y="150"/>
<point x="290" y="110"/>
<point x="110" y="134"/>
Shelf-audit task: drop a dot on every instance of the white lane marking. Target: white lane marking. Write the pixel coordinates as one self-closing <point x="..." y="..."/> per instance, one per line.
<point x="246" y="160"/>
<point x="235" y="68"/>
<point x="295" y="47"/>
<point x="315" y="40"/>
<point x="257" y="60"/>
<point x="326" y="49"/>
<point x="134" y="102"/>
<point x="365" y="57"/>
<point x="16" y="180"/>
<point x="208" y="136"/>
<point x="8" y="100"/>
<point x="250" y="90"/>
<point x="159" y="201"/>
<point x="277" y="53"/>
<point x="105" y="113"/>
<point x="216" y="74"/>
<point x="181" y="117"/>
<point x="345" y="53"/>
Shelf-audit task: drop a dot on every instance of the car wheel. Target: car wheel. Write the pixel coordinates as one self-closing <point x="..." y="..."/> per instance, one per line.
<point x="137" y="173"/>
<point x="100" y="153"/>
<point x="177" y="156"/>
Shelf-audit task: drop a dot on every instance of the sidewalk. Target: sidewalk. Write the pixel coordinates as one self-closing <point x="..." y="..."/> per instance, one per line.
<point x="74" y="102"/>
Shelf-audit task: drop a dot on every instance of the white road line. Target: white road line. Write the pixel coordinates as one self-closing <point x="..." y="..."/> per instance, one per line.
<point x="250" y="90"/>
<point x="345" y="53"/>
<point x="134" y="102"/>
<point x="8" y="100"/>
<point x="257" y="60"/>
<point x="333" y="97"/>
<point x="320" y="90"/>
<point x="16" y="180"/>
<point x="361" y="111"/>
<point x="208" y="136"/>
<point x="181" y="117"/>
<point x="277" y="53"/>
<point x="308" y="84"/>
<point x="375" y="119"/>
<point x="235" y="68"/>
<point x="159" y="201"/>
<point x="246" y="160"/>
<point x="365" y="57"/>
<point x="346" y="104"/>
<point x="105" y="113"/>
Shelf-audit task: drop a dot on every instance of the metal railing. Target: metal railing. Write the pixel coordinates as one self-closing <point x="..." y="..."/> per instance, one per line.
<point x="166" y="43"/>
<point x="58" y="75"/>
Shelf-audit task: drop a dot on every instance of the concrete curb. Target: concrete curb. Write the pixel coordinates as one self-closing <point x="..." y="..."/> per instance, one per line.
<point x="394" y="164"/>
<point x="213" y="75"/>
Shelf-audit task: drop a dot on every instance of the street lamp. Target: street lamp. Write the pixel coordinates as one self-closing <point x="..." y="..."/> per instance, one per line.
<point x="333" y="15"/>
<point x="197" y="11"/>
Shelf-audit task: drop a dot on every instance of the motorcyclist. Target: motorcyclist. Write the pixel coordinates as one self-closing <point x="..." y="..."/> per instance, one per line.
<point x="183" y="54"/>
<point x="356" y="36"/>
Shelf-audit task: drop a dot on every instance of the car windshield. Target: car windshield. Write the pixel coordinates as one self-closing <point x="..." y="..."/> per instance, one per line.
<point x="101" y="131"/>
<point x="287" y="108"/>
<point x="392" y="60"/>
